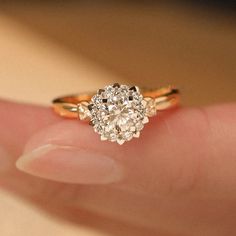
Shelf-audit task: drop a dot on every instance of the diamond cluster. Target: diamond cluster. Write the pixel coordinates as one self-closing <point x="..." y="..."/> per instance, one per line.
<point x="118" y="113"/>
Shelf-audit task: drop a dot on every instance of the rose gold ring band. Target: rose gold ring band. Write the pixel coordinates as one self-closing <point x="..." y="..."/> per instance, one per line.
<point x="67" y="106"/>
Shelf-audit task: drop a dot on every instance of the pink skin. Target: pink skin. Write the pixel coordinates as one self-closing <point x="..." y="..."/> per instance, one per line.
<point x="178" y="178"/>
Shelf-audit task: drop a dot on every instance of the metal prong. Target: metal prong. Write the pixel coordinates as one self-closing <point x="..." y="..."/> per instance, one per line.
<point x="134" y="88"/>
<point x="103" y="138"/>
<point x="145" y="120"/>
<point x="100" y="91"/>
<point x="116" y="85"/>
<point x="120" y="141"/>
<point x="137" y="135"/>
<point x="91" y="123"/>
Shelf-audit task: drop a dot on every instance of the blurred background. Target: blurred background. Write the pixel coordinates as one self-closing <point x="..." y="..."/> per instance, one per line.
<point x="50" y="48"/>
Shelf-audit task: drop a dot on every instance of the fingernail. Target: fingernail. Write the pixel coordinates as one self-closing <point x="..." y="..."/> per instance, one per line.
<point x="70" y="164"/>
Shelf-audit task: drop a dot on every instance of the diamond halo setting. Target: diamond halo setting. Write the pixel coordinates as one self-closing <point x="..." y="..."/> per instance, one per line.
<point x="118" y="113"/>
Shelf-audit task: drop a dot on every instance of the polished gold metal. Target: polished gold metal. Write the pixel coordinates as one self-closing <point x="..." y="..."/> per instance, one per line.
<point x="67" y="106"/>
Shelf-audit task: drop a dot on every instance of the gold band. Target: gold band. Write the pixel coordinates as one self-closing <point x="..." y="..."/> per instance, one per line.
<point x="68" y="106"/>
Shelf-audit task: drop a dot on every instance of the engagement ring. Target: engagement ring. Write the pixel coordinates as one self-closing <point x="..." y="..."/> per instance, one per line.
<point x="117" y="112"/>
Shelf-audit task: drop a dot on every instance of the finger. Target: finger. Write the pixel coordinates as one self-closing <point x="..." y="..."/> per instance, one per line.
<point x="129" y="200"/>
<point x="18" y="122"/>
<point x="187" y="150"/>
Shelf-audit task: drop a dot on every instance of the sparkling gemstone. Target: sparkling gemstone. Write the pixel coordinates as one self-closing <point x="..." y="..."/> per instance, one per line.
<point x="118" y="113"/>
<point x="151" y="106"/>
<point x="83" y="111"/>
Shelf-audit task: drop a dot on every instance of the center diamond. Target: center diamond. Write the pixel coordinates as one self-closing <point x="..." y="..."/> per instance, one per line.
<point x="118" y="113"/>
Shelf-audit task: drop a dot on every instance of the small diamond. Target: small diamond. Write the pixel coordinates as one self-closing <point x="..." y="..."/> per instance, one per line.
<point x="118" y="113"/>
<point x="151" y="107"/>
<point x="83" y="110"/>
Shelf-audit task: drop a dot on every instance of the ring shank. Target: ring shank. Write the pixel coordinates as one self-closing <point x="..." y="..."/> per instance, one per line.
<point x="68" y="106"/>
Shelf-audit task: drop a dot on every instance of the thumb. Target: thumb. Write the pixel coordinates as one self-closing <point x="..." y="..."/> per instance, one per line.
<point x="187" y="150"/>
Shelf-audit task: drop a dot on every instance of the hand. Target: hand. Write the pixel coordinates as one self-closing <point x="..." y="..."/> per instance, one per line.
<point x="178" y="178"/>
